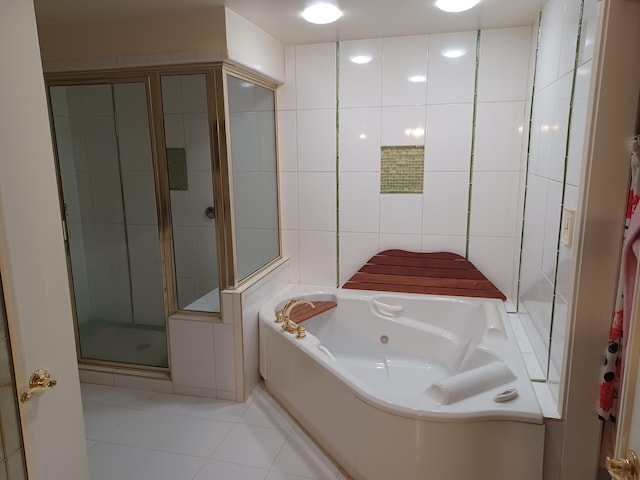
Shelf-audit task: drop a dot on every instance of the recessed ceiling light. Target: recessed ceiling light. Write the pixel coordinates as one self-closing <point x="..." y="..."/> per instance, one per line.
<point x="453" y="52"/>
<point x="454" y="6"/>
<point x="321" y="13"/>
<point x="360" y="59"/>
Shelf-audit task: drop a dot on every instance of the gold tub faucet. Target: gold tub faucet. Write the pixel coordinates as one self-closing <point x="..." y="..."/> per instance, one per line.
<point x="289" y="325"/>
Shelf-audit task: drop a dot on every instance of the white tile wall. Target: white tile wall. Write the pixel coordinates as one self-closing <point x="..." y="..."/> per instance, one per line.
<point x="360" y="139"/>
<point x="317" y="201"/>
<point x="355" y="250"/>
<point x="404" y="71"/>
<point x="287" y="140"/>
<point x="452" y="65"/>
<point x="409" y="221"/>
<point x="493" y="204"/>
<point x="448" y="138"/>
<point x="192" y="354"/>
<point x="499" y="136"/>
<point x="445" y="188"/>
<point x="286" y="93"/>
<point x="547" y="185"/>
<point x="361" y="83"/>
<point x="317" y="140"/>
<point x="360" y="202"/>
<point x="318" y="257"/>
<point x="403" y="125"/>
<point x="316" y="76"/>
<point x="379" y="106"/>
<point x="504" y="64"/>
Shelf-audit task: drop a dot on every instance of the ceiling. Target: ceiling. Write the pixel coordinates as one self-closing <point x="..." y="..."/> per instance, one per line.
<point x="281" y="18"/>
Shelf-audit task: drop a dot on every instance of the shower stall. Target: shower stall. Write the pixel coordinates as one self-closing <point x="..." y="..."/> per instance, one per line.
<point x="168" y="191"/>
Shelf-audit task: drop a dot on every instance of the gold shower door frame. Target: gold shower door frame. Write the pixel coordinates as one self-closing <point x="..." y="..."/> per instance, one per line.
<point x="215" y="75"/>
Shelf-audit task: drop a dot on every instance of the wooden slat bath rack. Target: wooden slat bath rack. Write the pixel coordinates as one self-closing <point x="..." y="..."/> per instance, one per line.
<point x="439" y="273"/>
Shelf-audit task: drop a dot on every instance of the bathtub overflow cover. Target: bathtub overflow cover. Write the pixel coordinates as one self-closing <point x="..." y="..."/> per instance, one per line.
<point x="384" y="339"/>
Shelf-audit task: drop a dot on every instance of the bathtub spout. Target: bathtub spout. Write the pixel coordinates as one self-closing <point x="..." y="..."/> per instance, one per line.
<point x="289" y="325"/>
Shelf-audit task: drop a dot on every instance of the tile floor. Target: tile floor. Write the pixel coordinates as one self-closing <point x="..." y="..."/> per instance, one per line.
<point x="140" y="435"/>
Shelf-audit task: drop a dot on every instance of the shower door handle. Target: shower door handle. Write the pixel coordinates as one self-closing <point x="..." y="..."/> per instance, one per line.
<point x="39" y="382"/>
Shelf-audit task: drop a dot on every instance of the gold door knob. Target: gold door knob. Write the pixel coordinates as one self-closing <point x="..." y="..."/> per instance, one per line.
<point x="39" y="382"/>
<point x="624" y="469"/>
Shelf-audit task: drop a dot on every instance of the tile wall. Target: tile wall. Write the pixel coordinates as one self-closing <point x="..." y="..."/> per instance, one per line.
<point x="557" y="136"/>
<point x="409" y="93"/>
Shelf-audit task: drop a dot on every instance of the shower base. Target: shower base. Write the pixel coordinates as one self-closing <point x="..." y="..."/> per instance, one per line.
<point x="124" y="343"/>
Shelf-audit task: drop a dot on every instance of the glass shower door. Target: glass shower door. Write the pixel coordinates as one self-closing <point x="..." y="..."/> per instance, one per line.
<point x="108" y="188"/>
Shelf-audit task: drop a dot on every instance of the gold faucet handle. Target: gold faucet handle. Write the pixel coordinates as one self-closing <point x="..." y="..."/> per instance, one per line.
<point x="302" y="332"/>
<point x="279" y="316"/>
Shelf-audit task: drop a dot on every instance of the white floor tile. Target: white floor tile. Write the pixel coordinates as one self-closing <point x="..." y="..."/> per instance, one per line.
<point x="164" y="436"/>
<point x="266" y="412"/>
<point x="214" y="470"/>
<point x="171" y="403"/>
<point x="124" y="397"/>
<point x="166" y="466"/>
<point x="100" y="420"/>
<point x="249" y="445"/>
<point x="195" y="436"/>
<point x="113" y="462"/>
<point x="218" y="410"/>
<point x="143" y="429"/>
<point x="92" y="392"/>
<point x="285" y="476"/>
<point x="301" y="456"/>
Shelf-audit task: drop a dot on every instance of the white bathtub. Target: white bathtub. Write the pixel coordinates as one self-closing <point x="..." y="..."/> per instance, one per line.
<point x="401" y="386"/>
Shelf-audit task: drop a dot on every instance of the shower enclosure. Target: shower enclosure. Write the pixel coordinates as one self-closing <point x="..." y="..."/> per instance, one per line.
<point x="163" y="206"/>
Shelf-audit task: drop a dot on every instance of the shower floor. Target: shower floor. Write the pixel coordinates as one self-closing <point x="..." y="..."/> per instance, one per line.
<point x="124" y="343"/>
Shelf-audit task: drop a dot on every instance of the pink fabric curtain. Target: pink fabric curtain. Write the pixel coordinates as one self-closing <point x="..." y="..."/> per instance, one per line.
<point x="612" y="370"/>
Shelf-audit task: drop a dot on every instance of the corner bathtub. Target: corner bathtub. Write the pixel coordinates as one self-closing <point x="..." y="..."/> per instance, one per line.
<point x="403" y="386"/>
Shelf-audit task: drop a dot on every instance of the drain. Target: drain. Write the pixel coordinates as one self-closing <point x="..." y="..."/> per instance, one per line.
<point x="143" y="346"/>
<point x="384" y="339"/>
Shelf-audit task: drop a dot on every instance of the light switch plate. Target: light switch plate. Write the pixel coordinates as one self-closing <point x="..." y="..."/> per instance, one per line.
<point x="568" y="221"/>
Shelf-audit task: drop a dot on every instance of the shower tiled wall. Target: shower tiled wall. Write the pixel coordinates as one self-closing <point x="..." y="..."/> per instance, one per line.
<point x="557" y="136"/>
<point x="335" y="115"/>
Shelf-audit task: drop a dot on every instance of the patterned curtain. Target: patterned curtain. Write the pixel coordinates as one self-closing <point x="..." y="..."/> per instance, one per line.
<point x="612" y="370"/>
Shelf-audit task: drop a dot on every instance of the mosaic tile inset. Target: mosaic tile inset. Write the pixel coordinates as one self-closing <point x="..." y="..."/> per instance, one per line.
<point x="401" y="169"/>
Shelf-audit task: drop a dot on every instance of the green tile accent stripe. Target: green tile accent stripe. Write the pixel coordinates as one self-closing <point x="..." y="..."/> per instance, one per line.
<point x="337" y="164"/>
<point x="473" y="145"/>
<point x="177" y="169"/>
<point x="402" y="169"/>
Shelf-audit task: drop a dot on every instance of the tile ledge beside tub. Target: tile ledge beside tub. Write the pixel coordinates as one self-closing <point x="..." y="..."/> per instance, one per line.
<point x="546" y="399"/>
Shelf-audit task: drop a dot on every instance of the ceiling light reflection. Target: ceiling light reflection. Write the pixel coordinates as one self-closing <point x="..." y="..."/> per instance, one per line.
<point x="417" y="78"/>
<point x="414" y="132"/>
<point x="360" y="59"/>
<point x="454" y="52"/>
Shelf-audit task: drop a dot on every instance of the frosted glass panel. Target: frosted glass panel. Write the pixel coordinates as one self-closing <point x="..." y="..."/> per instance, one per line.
<point x="253" y="158"/>
<point x="188" y="154"/>
<point x="108" y="190"/>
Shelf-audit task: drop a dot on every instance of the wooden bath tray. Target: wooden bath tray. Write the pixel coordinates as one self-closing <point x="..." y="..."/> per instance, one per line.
<point x="303" y="312"/>
<point x="439" y="273"/>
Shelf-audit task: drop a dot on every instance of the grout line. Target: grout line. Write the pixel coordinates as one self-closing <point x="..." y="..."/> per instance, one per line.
<point x="473" y="144"/>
